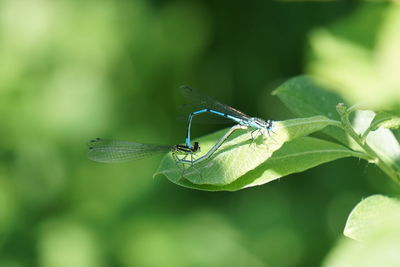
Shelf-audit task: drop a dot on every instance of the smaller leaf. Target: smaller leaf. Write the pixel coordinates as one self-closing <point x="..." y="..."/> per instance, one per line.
<point x="238" y="156"/>
<point x="374" y="222"/>
<point x="372" y="215"/>
<point x="307" y="96"/>
<point x="390" y="120"/>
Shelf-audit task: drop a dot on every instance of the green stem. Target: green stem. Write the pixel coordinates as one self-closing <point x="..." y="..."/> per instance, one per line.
<point x="352" y="108"/>
<point x="344" y="115"/>
<point x="366" y="132"/>
<point x="375" y="125"/>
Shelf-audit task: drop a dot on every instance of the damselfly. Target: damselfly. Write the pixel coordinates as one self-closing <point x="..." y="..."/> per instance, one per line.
<point x="206" y="104"/>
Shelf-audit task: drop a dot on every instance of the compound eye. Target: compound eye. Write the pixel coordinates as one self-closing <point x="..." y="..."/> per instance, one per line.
<point x="196" y="146"/>
<point x="270" y="124"/>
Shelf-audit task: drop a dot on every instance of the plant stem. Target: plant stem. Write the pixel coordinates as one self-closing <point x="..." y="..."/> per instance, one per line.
<point x="365" y="134"/>
<point x="344" y="115"/>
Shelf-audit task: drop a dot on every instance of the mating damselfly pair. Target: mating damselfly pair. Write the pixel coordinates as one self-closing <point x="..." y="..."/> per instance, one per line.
<point x="106" y="150"/>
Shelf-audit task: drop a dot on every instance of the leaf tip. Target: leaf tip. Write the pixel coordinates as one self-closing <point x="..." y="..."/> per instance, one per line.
<point x="275" y="92"/>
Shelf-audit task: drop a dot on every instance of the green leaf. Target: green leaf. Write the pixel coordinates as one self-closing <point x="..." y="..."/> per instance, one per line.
<point x="373" y="214"/>
<point x="390" y="120"/>
<point x="237" y="156"/>
<point x="307" y="96"/>
<point x="374" y="222"/>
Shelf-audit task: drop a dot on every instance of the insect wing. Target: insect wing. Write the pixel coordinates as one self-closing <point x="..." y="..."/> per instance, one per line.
<point x="199" y="101"/>
<point x="108" y="151"/>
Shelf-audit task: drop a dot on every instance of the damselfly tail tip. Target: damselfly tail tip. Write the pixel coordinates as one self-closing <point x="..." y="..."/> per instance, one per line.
<point x="93" y="141"/>
<point x="185" y="87"/>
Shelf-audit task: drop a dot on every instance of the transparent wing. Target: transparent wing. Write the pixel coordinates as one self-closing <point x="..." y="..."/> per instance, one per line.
<point x="199" y="101"/>
<point x="105" y="150"/>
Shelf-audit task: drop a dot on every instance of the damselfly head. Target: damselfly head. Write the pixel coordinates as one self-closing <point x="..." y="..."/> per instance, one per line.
<point x="196" y="147"/>
<point x="260" y="123"/>
<point x="184" y="149"/>
<point x="269" y="124"/>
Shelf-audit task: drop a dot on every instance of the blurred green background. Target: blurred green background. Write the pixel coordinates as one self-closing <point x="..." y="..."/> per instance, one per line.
<point x="74" y="70"/>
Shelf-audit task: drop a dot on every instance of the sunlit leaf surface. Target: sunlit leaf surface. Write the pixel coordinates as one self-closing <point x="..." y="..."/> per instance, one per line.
<point x="374" y="223"/>
<point x="373" y="214"/>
